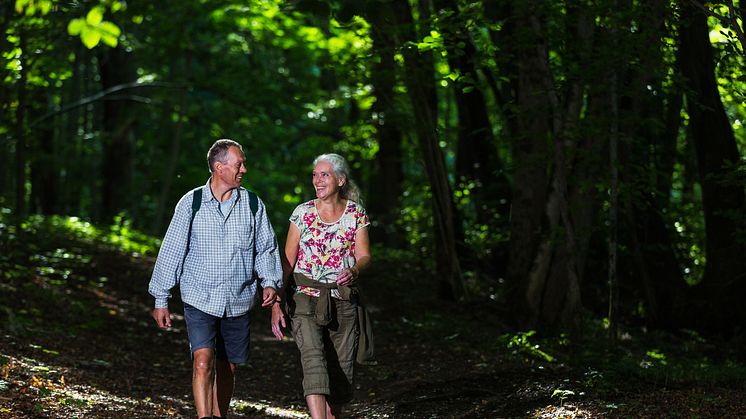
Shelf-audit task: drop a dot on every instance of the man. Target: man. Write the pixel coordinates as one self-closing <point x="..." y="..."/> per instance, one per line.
<point x="213" y="253"/>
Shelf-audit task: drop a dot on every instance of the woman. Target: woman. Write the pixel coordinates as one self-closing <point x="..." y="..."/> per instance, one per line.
<point x="327" y="247"/>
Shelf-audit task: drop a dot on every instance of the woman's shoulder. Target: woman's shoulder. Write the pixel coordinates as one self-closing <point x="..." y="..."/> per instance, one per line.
<point x="304" y="207"/>
<point x="353" y="206"/>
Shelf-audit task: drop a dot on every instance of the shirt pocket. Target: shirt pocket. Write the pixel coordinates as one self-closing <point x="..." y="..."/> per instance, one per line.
<point x="243" y="236"/>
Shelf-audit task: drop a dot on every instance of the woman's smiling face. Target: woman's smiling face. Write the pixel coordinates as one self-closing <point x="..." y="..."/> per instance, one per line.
<point x="325" y="181"/>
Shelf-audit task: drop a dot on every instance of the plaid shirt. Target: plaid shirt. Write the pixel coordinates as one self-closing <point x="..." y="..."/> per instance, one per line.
<point x="217" y="275"/>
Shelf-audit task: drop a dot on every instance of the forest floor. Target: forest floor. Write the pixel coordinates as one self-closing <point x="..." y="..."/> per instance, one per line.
<point x="78" y="341"/>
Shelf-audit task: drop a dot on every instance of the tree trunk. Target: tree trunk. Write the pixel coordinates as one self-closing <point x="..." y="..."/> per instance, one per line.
<point x="70" y="151"/>
<point x="647" y="158"/>
<point x="717" y="155"/>
<point x="547" y="250"/>
<point x="118" y="147"/>
<point x="386" y="186"/>
<point x="6" y="92"/>
<point x="477" y="161"/>
<point x="20" y="132"/>
<point x="420" y="82"/>
<point x="526" y="273"/>
<point x="43" y="167"/>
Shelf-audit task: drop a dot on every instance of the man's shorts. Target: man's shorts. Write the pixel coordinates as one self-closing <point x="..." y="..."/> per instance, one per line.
<point x="227" y="336"/>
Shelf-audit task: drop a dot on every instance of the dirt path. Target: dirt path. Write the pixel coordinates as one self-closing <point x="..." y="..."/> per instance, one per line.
<point x="87" y="347"/>
<point x="82" y="344"/>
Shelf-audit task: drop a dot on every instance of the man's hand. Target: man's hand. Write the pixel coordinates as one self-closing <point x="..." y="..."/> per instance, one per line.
<point x="269" y="295"/>
<point x="278" y="321"/>
<point x="162" y="317"/>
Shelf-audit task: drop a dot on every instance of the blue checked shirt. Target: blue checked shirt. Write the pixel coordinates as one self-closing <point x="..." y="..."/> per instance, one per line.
<point x="217" y="275"/>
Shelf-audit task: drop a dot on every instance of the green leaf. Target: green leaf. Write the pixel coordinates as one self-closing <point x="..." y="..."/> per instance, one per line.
<point x="95" y="16"/>
<point x="20" y="4"/>
<point x="108" y="28"/>
<point x="109" y="40"/>
<point x="45" y="6"/>
<point x="75" y="26"/>
<point x="423" y="46"/>
<point x="90" y="38"/>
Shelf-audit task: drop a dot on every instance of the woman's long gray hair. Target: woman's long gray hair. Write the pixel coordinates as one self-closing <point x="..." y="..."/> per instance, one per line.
<point x="342" y="170"/>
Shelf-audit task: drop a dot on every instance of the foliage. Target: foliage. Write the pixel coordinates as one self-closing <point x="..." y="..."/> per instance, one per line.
<point x="81" y="314"/>
<point x="290" y="80"/>
<point x="520" y="344"/>
<point x="119" y="235"/>
<point x="93" y="29"/>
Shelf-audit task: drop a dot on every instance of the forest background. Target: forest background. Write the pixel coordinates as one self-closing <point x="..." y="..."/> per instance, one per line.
<point x="578" y="165"/>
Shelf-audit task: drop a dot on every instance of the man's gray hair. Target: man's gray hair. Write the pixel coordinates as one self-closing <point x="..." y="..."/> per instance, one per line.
<point x="219" y="152"/>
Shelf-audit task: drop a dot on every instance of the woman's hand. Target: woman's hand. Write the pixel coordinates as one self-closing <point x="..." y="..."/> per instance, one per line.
<point x="278" y="321"/>
<point x="347" y="277"/>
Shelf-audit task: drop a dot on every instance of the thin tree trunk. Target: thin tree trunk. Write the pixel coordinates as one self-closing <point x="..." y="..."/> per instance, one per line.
<point x="43" y="167"/>
<point x="20" y="131"/>
<point x="175" y="151"/>
<point x="613" y="209"/>
<point x="118" y="149"/>
<point x="70" y="151"/>
<point x="477" y="161"/>
<point x="173" y="157"/>
<point x="6" y="170"/>
<point x="386" y="186"/>
<point x="420" y="82"/>
<point x="647" y="168"/>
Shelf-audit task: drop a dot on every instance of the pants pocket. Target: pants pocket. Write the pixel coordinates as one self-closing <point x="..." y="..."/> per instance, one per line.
<point x="303" y="304"/>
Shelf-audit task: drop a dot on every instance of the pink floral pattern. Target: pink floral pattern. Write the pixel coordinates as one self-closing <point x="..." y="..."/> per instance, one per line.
<point x="326" y="249"/>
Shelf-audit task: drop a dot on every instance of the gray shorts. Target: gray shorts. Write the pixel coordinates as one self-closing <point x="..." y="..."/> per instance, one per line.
<point x="327" y="353"/>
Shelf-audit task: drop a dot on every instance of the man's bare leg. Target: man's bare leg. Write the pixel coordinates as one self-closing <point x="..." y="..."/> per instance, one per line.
<point x="225" y="373"/>
<point x="203" y="377"/>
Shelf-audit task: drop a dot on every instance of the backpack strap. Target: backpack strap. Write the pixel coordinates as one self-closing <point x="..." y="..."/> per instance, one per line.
<point x="254" y="205"/>
<point x="253" y="202"/>
<point x="196" y="204"/>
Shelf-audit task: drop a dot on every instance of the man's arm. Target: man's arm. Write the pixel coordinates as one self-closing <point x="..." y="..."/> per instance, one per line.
<point x="170" y="259"/>
<point x="267" y="262"/>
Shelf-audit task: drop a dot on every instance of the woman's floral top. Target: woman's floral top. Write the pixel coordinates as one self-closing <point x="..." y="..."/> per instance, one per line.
<point x="326" y="249"/>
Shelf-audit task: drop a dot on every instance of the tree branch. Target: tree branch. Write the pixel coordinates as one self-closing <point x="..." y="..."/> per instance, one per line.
<point x="730" y="21"/>
<point x="104" y="95"/>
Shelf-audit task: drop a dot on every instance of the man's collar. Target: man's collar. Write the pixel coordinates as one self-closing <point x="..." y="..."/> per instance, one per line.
<point x="208" y="196"/>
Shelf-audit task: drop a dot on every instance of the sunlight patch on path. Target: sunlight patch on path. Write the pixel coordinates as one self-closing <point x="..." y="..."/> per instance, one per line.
<point x="557" y="412"/>
<point x="44" y="389"/>
<point x="264" y="407"/>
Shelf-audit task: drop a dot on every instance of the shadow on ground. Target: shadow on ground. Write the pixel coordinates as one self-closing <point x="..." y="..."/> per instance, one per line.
<point x="78" y="341"/>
